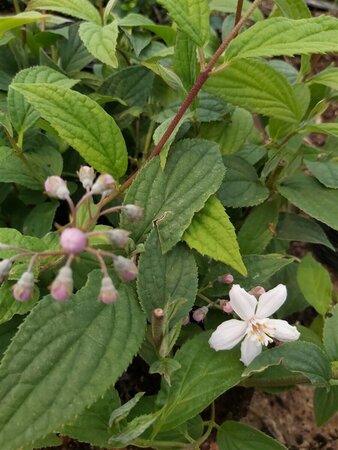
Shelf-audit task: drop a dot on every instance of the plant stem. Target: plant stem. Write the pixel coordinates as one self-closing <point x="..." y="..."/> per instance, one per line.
<point x="16" y="6"/>
<point x="239" y="11"/>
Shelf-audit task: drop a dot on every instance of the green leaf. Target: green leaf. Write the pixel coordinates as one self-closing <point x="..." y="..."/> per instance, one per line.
<point x="185" y="59"/>
<point x="292" y="227"/>
<point x="167" y="277"/>
<point x="133" y="430"/>
<point x="325" y="404"/>
<point x="82" y="123"/>
<point x="9" y="22"/>
<point x="6" y="123"/>
<point x="203" y="376"/>
<point x="211" y="233"/>
<point x="82" y="9"/>
<point x="23" y="115"/>
<point x="324" y="128"/>
<point x="330" y="336"/>
<point x="239" y="436"/>
<point x="295" y="9"/>
<point x="123" y="411"/>
<point x="230" y="6"/>
<point x="299" y="357"/>
<point x="7" y="332"/>
<point x="100" y="41"/>
<point x="241" y="186"/>
<point x="73" y="54"/>
<point x="315" y="284"/>
<point x="258" y="228"/>
<point x="312" y="197"/>
<point x="10" y="236"/>
<point x="325" y="171"/>
<point x="191" y="16"/>
<point x="9" y="306"/>
<point x="40" y="219"/>
<point x="256" y="86"/>
<point x="328" y="77"/>
<point x="170" y="198"/>
<point x="44" y="377"/>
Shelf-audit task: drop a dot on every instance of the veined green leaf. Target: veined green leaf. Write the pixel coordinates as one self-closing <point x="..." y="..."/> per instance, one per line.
<point x="330" y="336"/>
<point x="325" y="404"/>
<point x="325" y="171"/>
<point x="40" y="219"/>
<point x="185" y="59"/>
<point x="10" y="236"/>
<point x="324" y="128"/>
<point x="9" y="22"/>
<point x="230" y="6"/>
<point x="328" y="77"/>
<point x="9" y="306"/>
<point x="294" y="9"/>
<point x="82" y="123"/>
<point x="82" y="9"/>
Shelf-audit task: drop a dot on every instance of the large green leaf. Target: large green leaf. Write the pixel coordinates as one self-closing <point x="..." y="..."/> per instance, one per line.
<point x="9" y="22"/>
<point x="64" y="358"/>
<point x="325" y="171"/>
<point x="170" y="198"/>
<point x="295" y="9"/>
<point x="330" y="335"/>
<point x="82" y="9"/>
<point x="163" y="278"/>
<point x="256" y="86"/>
<point x="82" y="123"/>
<point x="230" y="6"/>
<point x="325" y="404"/>
<point x="312" y="197"/>
<point x="211" y="233"/>
<point x="191" y="16"/>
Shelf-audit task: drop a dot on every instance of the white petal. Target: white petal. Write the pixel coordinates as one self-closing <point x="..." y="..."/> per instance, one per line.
<point x="243" y="303"/>
<point x="250" y="348"/>
<point x="281" y="330"/>
<point x="228" y="334"/>
<point x="270" y="301"/>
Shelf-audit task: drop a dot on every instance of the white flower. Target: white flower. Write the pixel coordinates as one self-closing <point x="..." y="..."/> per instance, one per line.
<point x="255" y="327"/>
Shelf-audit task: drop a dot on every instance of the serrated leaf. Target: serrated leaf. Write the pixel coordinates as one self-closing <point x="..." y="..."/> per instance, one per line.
<point x="100" y="41"/>
<point x="170" y="198"/>
<point x="295" y="9"/>
<point x="9" y="22"/>
<point x="211" y="233"/>
<point x="328" y="77"/>
<point x="10" y="236"/>
<point x="82" y="9"/>
<point x="44" y="377"/>
<point x="191" y="16"/>
<point x="185" y="59"/>
<point x="166" y="277"/>
<point x="325" y="171"/>
<point x="73" y="54"/>
<point x="82" y="123"/>
<point x="9" y="306"/>
<point x="256" y="86"/>
<point x="230" y="6"/>
<point x="325" y="404"/>
<point x="330" y="336"/>
<point x="312" y="197"/>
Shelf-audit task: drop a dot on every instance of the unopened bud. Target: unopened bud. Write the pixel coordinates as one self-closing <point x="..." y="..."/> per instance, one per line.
<point x="133" y="212"/>
<point x="108" y="293"/>
<point x="73" y="240"/>
<point x="5" y="267"/>
<point x="186" y="320"/>
<point x="119" y="238"/>
<point x="104" y="185"/>
<point x="56" y="187"/>
<point x="227" y="278"/>
<point x="23" y="289"/>
<point x="125" y="268"/>
<point x="62" y="287"/>
<point x="226" y="306"/>
<point x="200" y="314"/>
<point x="257" y="291"/>
<point x="86" y="175"/>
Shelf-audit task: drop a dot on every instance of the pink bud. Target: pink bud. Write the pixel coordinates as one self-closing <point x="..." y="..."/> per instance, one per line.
<point x="23" y="289"/>
<point x="73" y="240"/>
<point x="226" y="306"/>
<point x="200" y="314"/>
<point x="86" y="175"/>
<point x="62" y="287"/>
<point x="108" y="293"/>
<point x="104" y="185"/>
<point x="125" y="268"/>
<point x="119" y="238"/>
<point x="257" y="291"/>
<point x="56" y="187"/>
<point x="186" y="320"/>
<point x="227" y="278"/>
<point x="5" y="267"/>
<point x="133" y="212"/>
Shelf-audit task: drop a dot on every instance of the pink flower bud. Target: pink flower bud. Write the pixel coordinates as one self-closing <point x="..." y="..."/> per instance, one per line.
<point x="23" y="289"/>
<point x="62" y="287"/>
<point x="227" y="278"/>
<point x="125" y="268"/>
<point x="104" y="185"/>
<point x="86" y="175"/>
<point x="186" y="320"/>
<point x="200" y="314"/>
<point x="5" y="267"/>
<point x="56" y="187"/>
<point x="257" y="291"/>
<point x="226" y="306"/>
<point x="133" y="212"/>
<point x="73" y="240"/>
<point x="119" y="238"/>
<point x="108" y="292"/>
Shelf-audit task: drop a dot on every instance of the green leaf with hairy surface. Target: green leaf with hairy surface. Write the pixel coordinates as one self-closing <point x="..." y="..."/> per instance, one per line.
<point x="312" y="197"/>
<point x="6" y="123"/>
<point x="100" y="41"/>
<point x="325" y="171"/>
<point x="211" y="233"/>
<point x="170" y="198"/>
<point x="230" y="6"/>
<point x="315" y="284"/>
<point x="23" y="115"/>
<point x="133" y="430"/>
<point x="294" y="9"/>
<point x="325" y="404"/>
<point x="203" y="376"/>
<point x="9" y="22"/>
<point x="239" y="436"/>
<point x="324" y="128"/>
<point x="210" y="107"/>
<point x="191" y="16"/>
<point x="10" y="236"/>
<point x="72" y="52"/>
<point x="9" y="306"/>
<point x="330" y="336"/>
<point x="82" y="9"/>
<point x="82" y="123"/>
<point x="166" y="277"/>
<point x="300" y="357"/>
<point x="165" y="32"/>
<point x="36" y="381"/>
<point x="40" y="219"/>
<point x="7" y="332"/>
<point x="241" y="186"/>
<point x="256" y="86"/>
<point x="185" y="59"/>
<point x="258" y="228"/>
<point x="51" y="440"/>
<point x="328" y="77"/>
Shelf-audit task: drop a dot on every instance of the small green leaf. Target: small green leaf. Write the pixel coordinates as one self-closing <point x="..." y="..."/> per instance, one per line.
<point x="328" y="77"/>
<point x="165" y="32"/>
<point x="330" y="336"/>
<point x="185" y="59"/>
<point x="325" y="171"/>
<point x="9" y="306"/>
<point x="6" y="123"/>
<point x="9" y="22"/>
<point x="294" y="9"/>
<point x="123" y="411"/>
<point x="324" y="128"/>
<point x="73" y="54"/>
<point x="325" y="404"/>
<point x="133" y="430"/>
<point x="82" y="9"/>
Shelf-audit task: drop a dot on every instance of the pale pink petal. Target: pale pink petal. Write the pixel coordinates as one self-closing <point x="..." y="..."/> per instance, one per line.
<point x="281" y="330"/>
<point x="250" y="348"/>
<point x="270" y="301"/>
<point x="243" y="303"/>
<point x="228" y="334"/>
